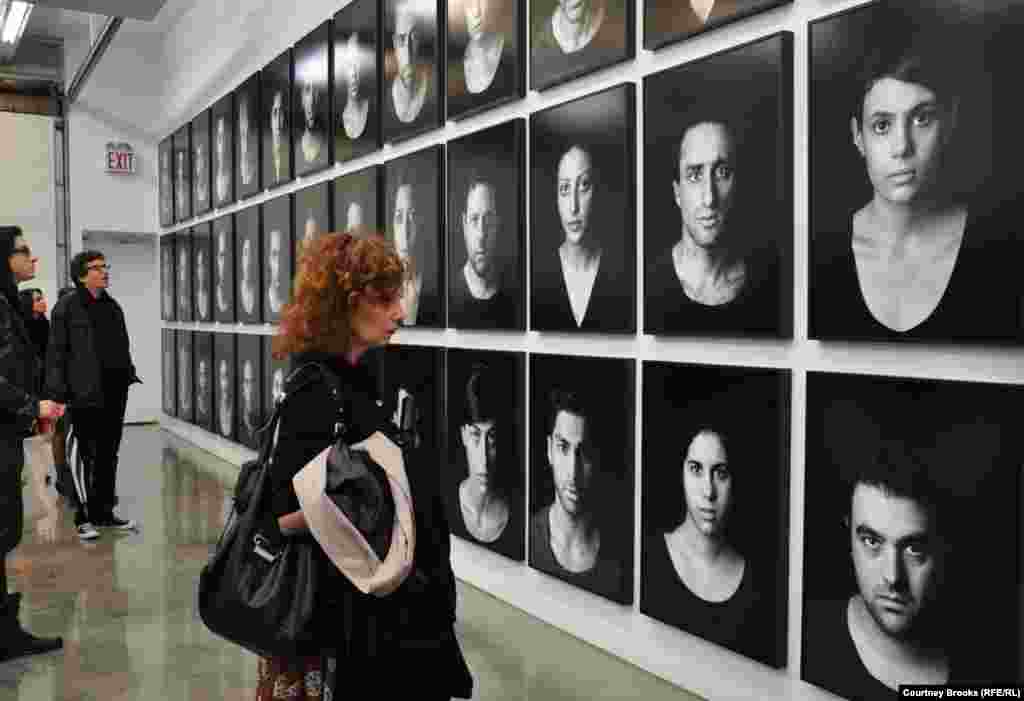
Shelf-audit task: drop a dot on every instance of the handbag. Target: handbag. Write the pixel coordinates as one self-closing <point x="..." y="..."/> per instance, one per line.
<point x="259" y="589"/>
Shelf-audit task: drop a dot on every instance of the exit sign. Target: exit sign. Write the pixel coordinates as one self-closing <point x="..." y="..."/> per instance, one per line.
<point x="120" y="158"/>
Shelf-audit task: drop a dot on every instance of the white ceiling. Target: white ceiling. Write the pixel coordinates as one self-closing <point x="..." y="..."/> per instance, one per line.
<point x="145" y="10"/>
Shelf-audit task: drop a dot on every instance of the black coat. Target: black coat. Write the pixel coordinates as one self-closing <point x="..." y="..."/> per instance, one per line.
<point x="19" y="372"/>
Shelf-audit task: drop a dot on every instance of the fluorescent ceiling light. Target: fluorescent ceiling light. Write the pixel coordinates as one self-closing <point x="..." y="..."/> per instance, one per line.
<point x="15" y="21"/>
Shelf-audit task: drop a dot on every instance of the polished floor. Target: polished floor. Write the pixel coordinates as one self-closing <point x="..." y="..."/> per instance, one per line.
<point x="125" y="605"/>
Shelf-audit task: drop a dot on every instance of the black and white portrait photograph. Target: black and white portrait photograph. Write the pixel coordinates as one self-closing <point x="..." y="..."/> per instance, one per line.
<point x="581" y="472"/>
<point x="486" y="54"/>
<point x="168" y="277"/>
<point x="184" y="365"/>
<point x="915" y="193"/>
<point x="484" y="478"/>
<point x="248" y="266"/>
<point x="223" y="128"/>
<point x="413" y="209"/>
<point x="486" y="221"/>
<point x="583" y="247"/>
<point x="166" y="181"/>
<point x="224" y="269"/>
<point x="714" y="515"/>
<point x="182" y="174"/>
<point x="274" y="373"/>
<point x="169" y="373"/>
<point x="250" y="381"/>
<point x="311" y="101"/>
<point x="570" y="38"/>
<point x="224" y="384"/>
<point x="666" y="21"/>
<point x="356" y="81"/>
<point x="311" y="214"/>
<point x="277" y="252"/>
<point x="202" y="363"/>
<point x="912" y="535"/>
<point x="717" y="167"/>
<point x="275" y="97"/>
<point x="413" y="92"/>
<point x="248" y="144"/>
<point x="202" y="272"/>
<point x="183" y="250"/>
<point x="357" y="200"/>
<point x="201" y="164"/>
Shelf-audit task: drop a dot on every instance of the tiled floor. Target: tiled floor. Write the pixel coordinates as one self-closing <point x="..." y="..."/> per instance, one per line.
<point x="125" y="605"/>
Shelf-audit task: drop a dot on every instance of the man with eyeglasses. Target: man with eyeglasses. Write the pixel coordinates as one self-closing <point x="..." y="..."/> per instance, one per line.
<point x="89" y="366"/>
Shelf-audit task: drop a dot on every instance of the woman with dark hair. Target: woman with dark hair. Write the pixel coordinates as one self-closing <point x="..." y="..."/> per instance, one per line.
<point x="33" y="310"/>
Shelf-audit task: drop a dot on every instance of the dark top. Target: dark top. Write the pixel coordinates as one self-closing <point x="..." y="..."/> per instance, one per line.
<point x="984" y="300"/>
<point x="19" y="404"/>
<point x="550" y="65"/>
<point x="510" y="542"/>
<point x="503" y="87"/>
<point x="611" y="307"/>
<point x="468" y="312"/>
<point x="757" y="310"/>
<point x="604" y="578"/>
<point x="110" y="335"/>
<point x="39" y="332"/>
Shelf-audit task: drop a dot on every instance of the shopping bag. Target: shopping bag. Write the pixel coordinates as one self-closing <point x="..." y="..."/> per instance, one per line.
<point x="39" y="495"/>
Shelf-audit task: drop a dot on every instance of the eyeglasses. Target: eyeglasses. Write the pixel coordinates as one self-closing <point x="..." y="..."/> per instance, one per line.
<point x="104" y="267"/>
<point x="23" y="250"/>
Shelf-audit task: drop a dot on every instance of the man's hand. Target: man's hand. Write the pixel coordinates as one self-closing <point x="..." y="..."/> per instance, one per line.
<point x="50" y="410"/>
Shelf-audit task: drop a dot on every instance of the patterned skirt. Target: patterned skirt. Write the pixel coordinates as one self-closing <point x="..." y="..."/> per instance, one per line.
<point x="295" y="679"/>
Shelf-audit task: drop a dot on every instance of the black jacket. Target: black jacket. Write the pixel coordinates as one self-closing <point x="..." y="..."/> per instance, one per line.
<point x="74" y="374"/>
<point x="19" y="370"/>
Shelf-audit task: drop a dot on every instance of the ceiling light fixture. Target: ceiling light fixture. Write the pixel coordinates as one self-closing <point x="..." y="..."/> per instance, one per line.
<point x="15" y="15"/>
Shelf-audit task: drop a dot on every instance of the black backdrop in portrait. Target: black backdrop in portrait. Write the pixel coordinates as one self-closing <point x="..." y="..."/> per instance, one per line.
<point x="413" y="210"/>
<point x="493" y="156"/>
<point x="248" y="138"/>
<point x="222" y="128"/>
<point x="603" y="125"/>
<point x="166" y="181"/>
<point x="248" y="266"/>
<point x="168" y="277"/>
<point x="204" y="374"/>
<point x="475" y="81"/>
<point x="183" y="250"/>
<point x="224" y="269"/>
<point x="746" y="89"/>
<point x="405" y="118"/>
<point x="224" y="384"/>
<point x="311" y="216"/>
<point x="275" y="115"/>
<point x="274" y="373"/>
<point x="667" y="21"/>
<point x="749" y="410"/>
<point x="184" y="366"/>
<point x="201" y="164"/>
<point x="965" y="439"/>
<point x="499" y="391"/>
<point x="277" y="256"/>
<point x="202" y="272"/>
<point x="311" y="101"/>
<point x="608" y="494"/>
<point x="169" y="348"/>
<point x="182" y="174"/>
<point x="613" y="43"/>
<point x="249" y="402"/>
<point x="357" y="200"/>
<point x="356" y="44"/>
<point x="985" y="295"/>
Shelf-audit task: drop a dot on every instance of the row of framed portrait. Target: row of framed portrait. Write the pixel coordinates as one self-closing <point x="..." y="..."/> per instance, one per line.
<point x="904" y="478"/>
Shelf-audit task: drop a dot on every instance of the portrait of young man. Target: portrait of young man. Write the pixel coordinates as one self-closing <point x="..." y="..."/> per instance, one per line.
<point x="412" y="92"/>
<point x="311" y="102"/>
<point x="356" y="97"/>
<point x="276" y="95"/>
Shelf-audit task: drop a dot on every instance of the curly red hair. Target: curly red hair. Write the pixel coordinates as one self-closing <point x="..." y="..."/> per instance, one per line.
<point x="330" y="269"/>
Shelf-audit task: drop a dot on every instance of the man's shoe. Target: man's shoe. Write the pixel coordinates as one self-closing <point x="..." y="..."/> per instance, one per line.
<point x="117" y="523"/>
<point x="86" y="531"/>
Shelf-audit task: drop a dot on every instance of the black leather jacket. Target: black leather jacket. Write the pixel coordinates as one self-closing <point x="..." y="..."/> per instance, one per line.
<point x="19" y="407"/>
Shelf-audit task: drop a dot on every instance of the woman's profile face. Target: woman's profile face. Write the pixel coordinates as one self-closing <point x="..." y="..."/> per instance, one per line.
<point x="707" y="483"/>
<point x="575" y="193"/>
<point x="376" y="315"/>
<point x="476" y="18"/>
<point x="901" y="134"/>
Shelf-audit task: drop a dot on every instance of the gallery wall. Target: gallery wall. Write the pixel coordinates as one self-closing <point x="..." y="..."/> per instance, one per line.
<point x="685" y="660"/>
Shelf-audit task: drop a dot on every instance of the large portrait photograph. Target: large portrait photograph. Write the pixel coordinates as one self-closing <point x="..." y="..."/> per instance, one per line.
<point x="224" y="269"/>
<point x="583" y="229"/>
<point x="223" y="127"/>
<point x="275" y="99"/>
<point x="248" y="141"/>
<point x="250" y="382"/>
<point x="484" y="476"/>
<point x="184" y="365"/>
<point x="356" y="43"/>
<point x="715" y="516"/>
<point x="202" y="272"/>
<point x="570" y="38"/>
<point x="413" y="217"/>
<point x="581" y="472"/>
<point x="201" y="164"/>
<point x="311" y="214"/>
<point x="248" y="266"/>
<point x="165" y="153"/>
<point x="277" y="251"/>
<point x="183" y="249"/>
<point x="486" y="246"/>
<point x="182" y="174"/>
<point x="357" y="200"/>
<point x="311" y="101"/>
<point x="224" y="385"/>
<point x="915" y="194"/>
<point x="486" y="54"/>
<point x="168" y="276"/>
<point x="912" y="534"/>
<point x="169" y="373"/>
<point x="274" y="374"/>
<point x="412" y="94"/>
<point x="666" y="21"/>
<point x="202" y="354"/>
<point x="717" y="167"/>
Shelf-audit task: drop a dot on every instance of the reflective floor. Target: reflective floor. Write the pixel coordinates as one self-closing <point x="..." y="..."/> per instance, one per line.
<point x="125" y="605"/>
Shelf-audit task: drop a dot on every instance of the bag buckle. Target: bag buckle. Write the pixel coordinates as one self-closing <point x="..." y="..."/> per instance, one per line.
<point x="260" y="545"/>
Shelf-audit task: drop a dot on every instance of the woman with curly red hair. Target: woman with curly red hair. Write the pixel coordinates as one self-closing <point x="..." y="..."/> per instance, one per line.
<point x="347" y="300"/>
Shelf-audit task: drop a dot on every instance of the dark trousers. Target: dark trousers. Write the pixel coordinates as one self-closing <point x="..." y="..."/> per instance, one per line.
<point x="98" y="432"/>
<point x="12" y="462"/>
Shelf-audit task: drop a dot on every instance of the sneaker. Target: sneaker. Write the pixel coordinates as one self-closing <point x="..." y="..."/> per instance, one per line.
<point x="86" y="531"/>
<point x="118" y="523"/>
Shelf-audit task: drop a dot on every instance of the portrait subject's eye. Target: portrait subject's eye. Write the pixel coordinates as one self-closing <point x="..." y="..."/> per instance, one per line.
<point x="563" y="447"/>
<point x="872" y="542"/>
<point x="492" y="439"/>
<point x="694" y="174"/>
<point x="724" y="171"/>
<point x="926" y="117"/>
<point x="721" y="473"/>
<point x="881" y="126"/>
<point x="695" y="468"/>
<point x="918" y="553"/>
<point x="563" y="188"/>
<point x="585" y="183"/>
